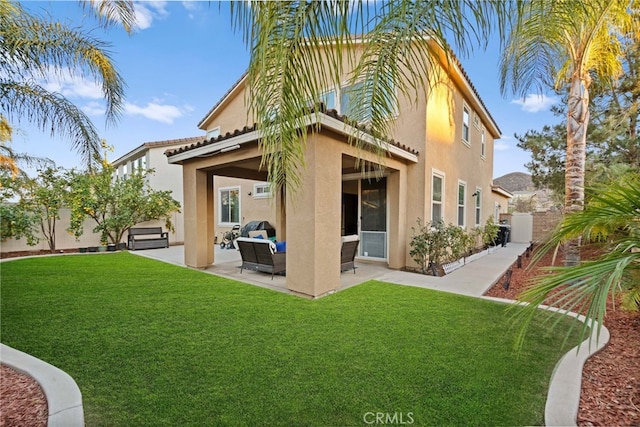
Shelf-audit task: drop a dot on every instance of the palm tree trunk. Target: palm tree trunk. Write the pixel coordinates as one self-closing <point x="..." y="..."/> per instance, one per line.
<point x="577" y="121"/>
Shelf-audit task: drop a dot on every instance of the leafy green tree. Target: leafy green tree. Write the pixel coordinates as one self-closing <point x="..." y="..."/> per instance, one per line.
<point x="35" y="206"/>
<point x="34" y="48"/>
<point x="566" y="45"/>
<point x="288" y="41"/>
<point x="612" y="220"/>
<point x="116" y="204"/>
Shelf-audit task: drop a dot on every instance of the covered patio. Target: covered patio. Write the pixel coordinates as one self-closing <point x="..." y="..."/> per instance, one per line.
<point x="310" y="220"/>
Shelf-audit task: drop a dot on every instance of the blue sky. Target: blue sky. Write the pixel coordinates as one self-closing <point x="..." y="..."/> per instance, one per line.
<point x="184" y="56"/>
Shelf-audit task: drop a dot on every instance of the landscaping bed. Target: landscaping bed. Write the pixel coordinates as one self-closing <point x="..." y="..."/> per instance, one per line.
<point x="611" y="378"/>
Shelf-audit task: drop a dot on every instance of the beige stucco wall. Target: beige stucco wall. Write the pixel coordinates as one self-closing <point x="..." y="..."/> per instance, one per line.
<point x="64" y="239"/>
<point x="252" y="206"/>
<point x="430" y="123"/>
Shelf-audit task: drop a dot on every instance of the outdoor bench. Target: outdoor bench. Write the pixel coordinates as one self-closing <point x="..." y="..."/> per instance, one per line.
<point x="139" y="238"/>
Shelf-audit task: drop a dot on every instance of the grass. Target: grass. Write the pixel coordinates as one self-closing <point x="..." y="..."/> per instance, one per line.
<point x="154" y="344"/>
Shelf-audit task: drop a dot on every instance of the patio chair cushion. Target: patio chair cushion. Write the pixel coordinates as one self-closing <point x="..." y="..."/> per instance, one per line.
<point x="281" y="246"/>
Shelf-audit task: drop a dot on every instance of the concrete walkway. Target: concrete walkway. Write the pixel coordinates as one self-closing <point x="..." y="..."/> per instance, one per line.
<point x="474" y="279"/>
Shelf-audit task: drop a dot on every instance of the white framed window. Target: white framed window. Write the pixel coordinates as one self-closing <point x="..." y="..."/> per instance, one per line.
<point x="328" y="98"/>
<point x="213" y="133"/>
<point x="139" y="165"/>
<point x="124" y="171"/>
<point x="229" y="206"/>
<point x="466" y="130"/>
<point x="261" y="190"/>
<point x="483" y="142"/>
<point x="496" y="212"/>
<point x="437" y="196"/>
<point x="462" y="197"/>
<point x="478" y="206"/>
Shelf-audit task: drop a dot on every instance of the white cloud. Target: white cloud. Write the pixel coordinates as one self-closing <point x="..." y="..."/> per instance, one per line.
<point x="146" y="12"/>
<point x="72" y="86"/>
<point x="501" y="146"/>
<point x="533" y="103"/>
<point x="94" y="108"/>
<point x="155" y="111"/>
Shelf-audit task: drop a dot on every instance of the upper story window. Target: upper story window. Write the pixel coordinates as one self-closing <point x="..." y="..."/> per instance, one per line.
<point x="466" y="131"/>
<point x="213" y="133"/>
<point x="139" y="165"/>
<point x="124" y="171"/>
<point x="229" y="206"/>
<point x="262" y="190"/>
<point x="483" y="142"/>
<point x="437" y="188"/>
<point x="329" y="100"/>
<point x="346" y="98"/>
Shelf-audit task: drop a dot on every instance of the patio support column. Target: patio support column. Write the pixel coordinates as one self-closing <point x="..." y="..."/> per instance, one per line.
<point x="313" y="220"/>
<point x="397" y="193"/>
<point x="198" y="217"/>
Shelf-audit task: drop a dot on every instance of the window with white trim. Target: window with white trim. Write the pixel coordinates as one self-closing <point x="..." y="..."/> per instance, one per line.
<point x="124" y="171"/>
<point x="478" y="206"/>
<point x="229" y="206"/>
<point x="261" y="191"/>
<point x="437" y="197"/>
<point x="465" y="125"/>
<point x="462" y="196"/>
<point x="496" y="212"/>
<point x="483" y="142"/>
<point x="139" y="165"/>
<point x="329" y="99"/>
<point x="213" y="133"/>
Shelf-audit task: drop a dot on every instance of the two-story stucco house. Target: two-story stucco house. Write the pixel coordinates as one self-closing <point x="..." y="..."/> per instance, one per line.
<point x="440" y="168"/>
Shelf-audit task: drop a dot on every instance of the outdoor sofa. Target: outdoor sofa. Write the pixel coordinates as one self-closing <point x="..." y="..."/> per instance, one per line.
<point x="260" y="255"/>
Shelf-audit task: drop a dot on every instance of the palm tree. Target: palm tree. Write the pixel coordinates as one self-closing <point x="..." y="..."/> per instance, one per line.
<point x="299" y="48"/>
<point x="611" y="220"/>
<point x="565" y="45"/>
<point x="34" y="48"/>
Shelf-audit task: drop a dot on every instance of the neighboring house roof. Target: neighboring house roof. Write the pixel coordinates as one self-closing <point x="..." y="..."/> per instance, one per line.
<point x="465" y="80"/>
<point x="501" y="191"/>
<point x="326" y="118"/>
<point x="136" y="152"/>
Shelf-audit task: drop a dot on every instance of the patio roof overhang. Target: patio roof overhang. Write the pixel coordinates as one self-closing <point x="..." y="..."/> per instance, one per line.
<point x="329" y="120"/>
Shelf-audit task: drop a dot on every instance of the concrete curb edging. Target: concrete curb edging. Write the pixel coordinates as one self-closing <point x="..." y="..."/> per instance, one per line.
<point x="64" y="399"/>
<point x="563" y="397"/>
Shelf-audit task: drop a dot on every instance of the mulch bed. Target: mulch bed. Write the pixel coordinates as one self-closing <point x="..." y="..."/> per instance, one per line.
<point x="15" y="254"/>
<point x="22" y="401"/>
<point x="611" y="378"/>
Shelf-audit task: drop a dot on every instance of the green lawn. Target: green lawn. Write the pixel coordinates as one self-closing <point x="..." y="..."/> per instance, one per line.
<point x="154" y="344"/>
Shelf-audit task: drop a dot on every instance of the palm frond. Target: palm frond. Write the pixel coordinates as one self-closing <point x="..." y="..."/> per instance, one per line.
<point x="112" y="12"/>
<point x="612" y="216"/>
<point x="50" y="112"/>
<point x="34" y="48"/>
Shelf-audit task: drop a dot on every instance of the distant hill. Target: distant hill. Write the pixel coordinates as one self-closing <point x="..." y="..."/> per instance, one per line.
<point x="515" y="181"/>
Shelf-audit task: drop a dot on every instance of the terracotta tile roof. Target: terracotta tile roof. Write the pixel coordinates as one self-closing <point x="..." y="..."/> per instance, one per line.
<point x="197" y="143"/>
